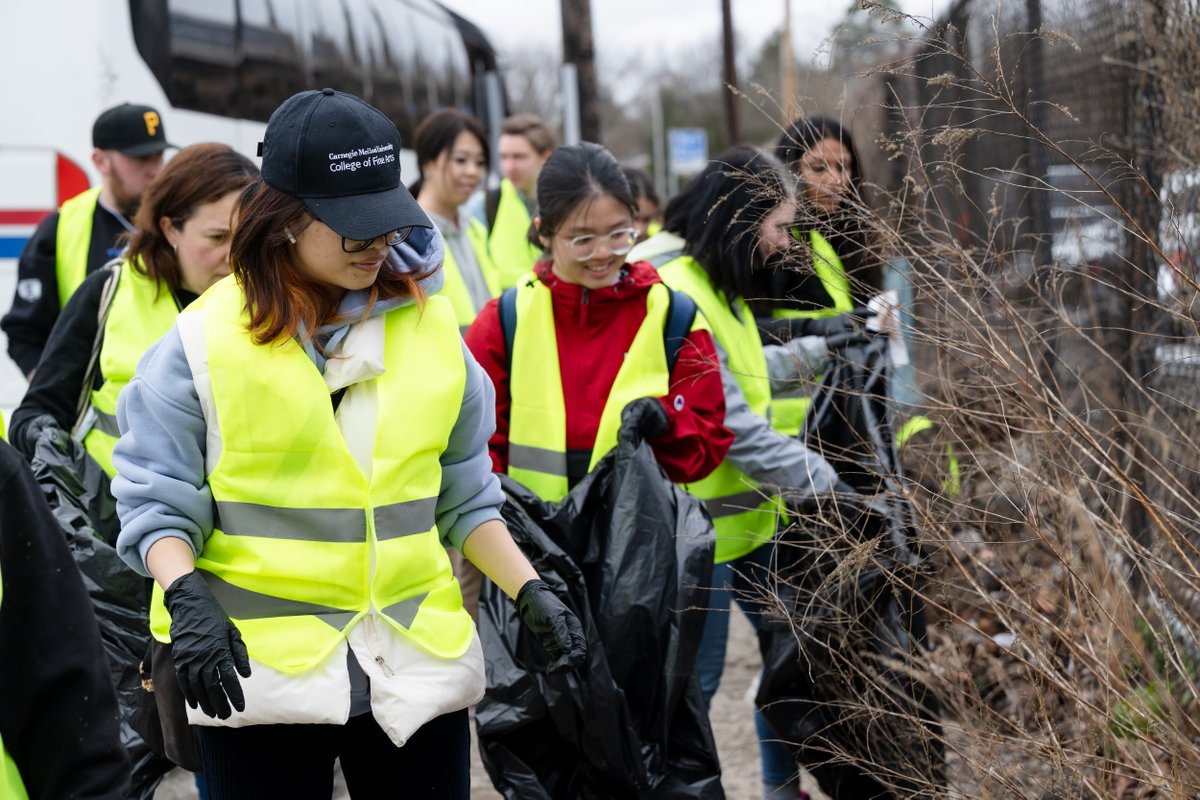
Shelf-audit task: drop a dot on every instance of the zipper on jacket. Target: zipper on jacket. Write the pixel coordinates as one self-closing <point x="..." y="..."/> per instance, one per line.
<point x="583" y="308"/>
<point x="372" y="638"/>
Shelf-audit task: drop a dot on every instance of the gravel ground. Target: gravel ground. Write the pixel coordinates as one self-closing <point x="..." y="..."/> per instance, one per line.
<point x="732" y="720"/>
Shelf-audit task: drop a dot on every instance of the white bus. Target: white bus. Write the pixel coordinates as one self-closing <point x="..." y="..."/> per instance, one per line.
<point x="215" y="69"/>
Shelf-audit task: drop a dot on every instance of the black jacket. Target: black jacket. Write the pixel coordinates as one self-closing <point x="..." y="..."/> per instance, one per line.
<point x="35" y="302"/>
<point x="58" y="710"/>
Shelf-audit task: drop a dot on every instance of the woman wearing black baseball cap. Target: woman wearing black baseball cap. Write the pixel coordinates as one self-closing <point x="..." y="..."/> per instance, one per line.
<point x="296" y="454"/>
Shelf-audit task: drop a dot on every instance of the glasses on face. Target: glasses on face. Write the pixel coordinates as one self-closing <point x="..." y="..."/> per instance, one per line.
<point x="390" y="239"/>
<point x="619" y="242"/>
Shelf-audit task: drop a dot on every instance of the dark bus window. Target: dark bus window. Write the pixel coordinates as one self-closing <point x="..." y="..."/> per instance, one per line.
<point x="203" y="54"/>
<point x="391" y="66"/>
<point x="271" y="67"/>
<point x="333" y="52"/>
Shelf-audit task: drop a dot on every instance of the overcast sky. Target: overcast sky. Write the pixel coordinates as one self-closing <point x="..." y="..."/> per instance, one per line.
<point x="655" y="26"/>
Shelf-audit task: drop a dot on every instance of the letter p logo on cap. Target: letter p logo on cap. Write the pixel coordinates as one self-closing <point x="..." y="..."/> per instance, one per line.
<point x="152" y="122"/>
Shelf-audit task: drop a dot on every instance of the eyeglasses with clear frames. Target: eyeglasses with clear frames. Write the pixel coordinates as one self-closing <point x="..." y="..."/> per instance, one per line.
<point x="619" y="243"/>
<point x="390" y="239"/>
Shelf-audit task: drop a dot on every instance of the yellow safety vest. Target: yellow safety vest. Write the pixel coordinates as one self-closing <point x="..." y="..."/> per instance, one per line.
<point x="744" y="519"/>
<point x="142" y="311"/>
<point x="304" y="544"/>
<point x="455" y="288"/>
<point x="72" y="242"/>
<point x="537" y="439"/>
<point x="11" y="785"/>
<point x="508" y="244"/>
<point x="952" y="483"/>
<point x="788" y="410"/>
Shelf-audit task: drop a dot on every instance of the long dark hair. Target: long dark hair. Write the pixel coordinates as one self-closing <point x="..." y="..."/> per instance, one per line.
<point x="845" y="228"/>
<point x="202" y="173"/>
<point x="573" y="175"/>
<point x="280" y="300"/>
<point x="719" y="212"/>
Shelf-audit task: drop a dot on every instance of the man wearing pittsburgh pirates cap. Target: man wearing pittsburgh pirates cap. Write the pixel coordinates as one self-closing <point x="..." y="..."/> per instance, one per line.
<point x="128" y="143"/>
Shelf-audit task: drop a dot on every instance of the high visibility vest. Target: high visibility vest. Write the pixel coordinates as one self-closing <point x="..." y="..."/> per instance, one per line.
<point x="952" y="481"/>
<point x="744" y="519"/>
<point x="508" y="243"/>
<point x="789" y="409"/>
<point x="455" y="287"/>
<point x="72" y="242"/>
<point x="537" y="438"/>
<point x="11" y="785"/>
<point x="304" y="545"/>
<point x="142" y="311"/>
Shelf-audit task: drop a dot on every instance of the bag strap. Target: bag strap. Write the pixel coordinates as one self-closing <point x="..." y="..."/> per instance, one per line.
<point x="491" y="206"/>
<point x="84" y="403"/>
<point x="681" y="315"/>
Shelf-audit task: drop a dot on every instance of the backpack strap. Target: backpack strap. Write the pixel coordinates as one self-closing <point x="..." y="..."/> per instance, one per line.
<point x="491" y="206"/>
<point x="681" y="315"/>
<point x="508" y="321"/>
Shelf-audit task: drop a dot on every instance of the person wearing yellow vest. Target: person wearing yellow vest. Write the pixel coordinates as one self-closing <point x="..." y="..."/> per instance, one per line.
<point x="181" y="247"/>
<point x="452" y="152"/>
<point x="726" y="223"/>
<point x="525" y="143"/>
<point x="128" y="143"/>
<point x="588" y="344"/>
<point x="60" y="733"/>
<point x="295" y="455"/>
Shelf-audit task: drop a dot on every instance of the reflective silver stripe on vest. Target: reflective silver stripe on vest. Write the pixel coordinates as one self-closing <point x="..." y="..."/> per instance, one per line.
<point x="405" y="611"/>
<point x="734" y="504"/>
<point x="105" y="423"/>
<point x="404" y="519"/>
<point x="537" y="459"/>
<point x="240" y="603"/>
<point x="345" y="525"/>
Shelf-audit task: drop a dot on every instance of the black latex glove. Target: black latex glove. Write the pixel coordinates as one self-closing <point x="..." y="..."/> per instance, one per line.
<point x="556" y="627"/>
<point x="647" y="416"/>
<point x="207" y="648"/>
<point x="29" y="433"/>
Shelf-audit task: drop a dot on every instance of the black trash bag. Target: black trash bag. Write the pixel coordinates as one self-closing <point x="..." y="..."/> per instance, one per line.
<point x="76" y="489"/>
<point x="841" y="661"/>
<point x="630" y="553"/>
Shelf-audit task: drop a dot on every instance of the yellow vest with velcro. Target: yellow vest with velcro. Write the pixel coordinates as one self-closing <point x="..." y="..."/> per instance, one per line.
<point x="455" y="287"/>
<point x="304" y="544"/>
<point x="142" y="311"/>
<point x="537" y="440"/>
<point x="11" y="785"/>
<point x="72" y="242"/>
<point x="788" y="410"/>
<point x="508" y="243"/>
<point x="743" y="517"/>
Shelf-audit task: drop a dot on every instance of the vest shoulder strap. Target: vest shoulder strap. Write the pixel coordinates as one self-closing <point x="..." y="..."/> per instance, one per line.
<point x="681" y="315"/>
<point x="508" y="322"/>
<point x="491" y="205"/>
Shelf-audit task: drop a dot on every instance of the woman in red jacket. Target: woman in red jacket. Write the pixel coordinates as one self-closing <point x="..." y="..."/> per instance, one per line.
<point x="592" y="325"/>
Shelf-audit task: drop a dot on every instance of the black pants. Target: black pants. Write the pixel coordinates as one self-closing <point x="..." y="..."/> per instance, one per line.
<point x="296" y="761"/>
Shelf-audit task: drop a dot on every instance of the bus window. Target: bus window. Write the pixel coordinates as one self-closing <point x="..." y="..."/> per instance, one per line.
<point x="391" y="65"/>
<point x="335" y="61"/>
<point x="271" y="68"/>
<point x="203" y="54"/>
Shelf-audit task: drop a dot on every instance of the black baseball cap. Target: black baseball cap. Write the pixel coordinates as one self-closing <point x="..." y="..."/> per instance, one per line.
<point x="341" y="156"/>
<point x="130" y="130"/>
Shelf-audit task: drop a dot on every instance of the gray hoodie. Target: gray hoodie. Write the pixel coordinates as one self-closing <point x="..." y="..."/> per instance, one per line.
<point x="161" y="488"/>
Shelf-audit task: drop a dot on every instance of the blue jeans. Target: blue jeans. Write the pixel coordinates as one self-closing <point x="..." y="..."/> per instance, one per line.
<point x="742" y="580"/>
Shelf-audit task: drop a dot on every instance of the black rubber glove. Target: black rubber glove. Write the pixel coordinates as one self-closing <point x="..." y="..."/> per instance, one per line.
<point x="556" y="627"/>
<point x="207" y="648"/>
<point x="647" y="416"/>
<point x="27" y="435"/>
